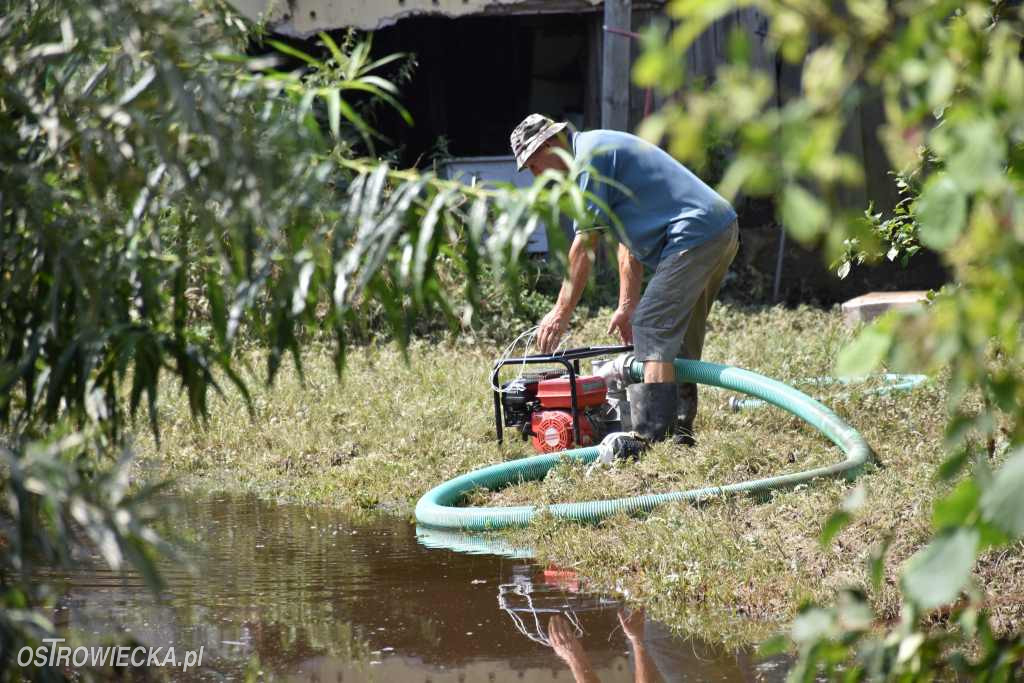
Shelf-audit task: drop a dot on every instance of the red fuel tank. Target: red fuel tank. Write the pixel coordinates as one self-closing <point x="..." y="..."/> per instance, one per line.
<point x="555" y="393"/>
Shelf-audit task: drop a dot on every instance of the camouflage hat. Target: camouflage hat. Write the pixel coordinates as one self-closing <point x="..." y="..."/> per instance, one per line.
<point x="529" y="135"/>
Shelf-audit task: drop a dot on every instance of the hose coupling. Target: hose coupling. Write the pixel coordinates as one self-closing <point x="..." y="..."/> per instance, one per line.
<point x="615" y="372"/>
<point x="618" y="446"/>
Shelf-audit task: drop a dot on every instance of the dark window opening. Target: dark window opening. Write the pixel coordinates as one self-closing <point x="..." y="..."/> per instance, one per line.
<point x="477" y="77"/>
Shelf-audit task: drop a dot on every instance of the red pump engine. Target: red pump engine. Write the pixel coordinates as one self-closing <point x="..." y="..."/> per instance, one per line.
<point x="540" y="406"/>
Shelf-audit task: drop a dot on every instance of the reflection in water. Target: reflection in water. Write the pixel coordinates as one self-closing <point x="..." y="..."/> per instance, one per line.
<point x="306" y="594"/>
<point x="551" y="606"/>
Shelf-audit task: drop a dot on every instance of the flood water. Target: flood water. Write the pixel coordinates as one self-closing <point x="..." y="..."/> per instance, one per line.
<point x="302" y="593"/>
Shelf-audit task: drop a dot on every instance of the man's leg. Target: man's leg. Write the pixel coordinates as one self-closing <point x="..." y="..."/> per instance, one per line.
<point x="659" y="371"/>
<point x="693" y="340"/>
<point x="659" y="327"/>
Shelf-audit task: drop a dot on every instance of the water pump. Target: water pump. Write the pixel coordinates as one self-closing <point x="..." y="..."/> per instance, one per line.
<point x="562" y="408"/>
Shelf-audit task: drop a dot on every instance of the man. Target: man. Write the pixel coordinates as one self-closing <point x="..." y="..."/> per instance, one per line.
<point x="672" y="223"/>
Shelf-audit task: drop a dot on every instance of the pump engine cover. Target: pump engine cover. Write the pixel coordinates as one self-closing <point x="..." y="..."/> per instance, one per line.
<point x="552" y="430"/>
<point x="557" y="393"/>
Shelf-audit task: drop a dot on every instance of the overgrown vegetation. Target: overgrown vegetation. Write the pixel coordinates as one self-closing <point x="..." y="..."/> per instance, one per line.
<point x="897" y="230"/>
<point x="950" y="77"/>
<point x="164" y="199"/>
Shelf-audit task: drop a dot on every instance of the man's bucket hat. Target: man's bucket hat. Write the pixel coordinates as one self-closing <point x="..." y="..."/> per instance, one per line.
<point x="529" y="135"/>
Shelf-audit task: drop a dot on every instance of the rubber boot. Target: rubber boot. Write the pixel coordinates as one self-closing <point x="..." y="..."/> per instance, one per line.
<point x="687" y="413"/>
<point x="652" y="407"/>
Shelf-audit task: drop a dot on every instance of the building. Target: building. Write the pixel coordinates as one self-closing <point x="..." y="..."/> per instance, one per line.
<point x="483" y="64"/>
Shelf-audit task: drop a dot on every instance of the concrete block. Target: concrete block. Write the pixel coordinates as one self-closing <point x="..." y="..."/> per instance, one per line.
<point x="869" y="306"/>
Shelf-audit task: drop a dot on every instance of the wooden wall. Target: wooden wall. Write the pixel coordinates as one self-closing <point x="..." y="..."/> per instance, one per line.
<point x="860" y="138"/>
<point x="803" y="275"/>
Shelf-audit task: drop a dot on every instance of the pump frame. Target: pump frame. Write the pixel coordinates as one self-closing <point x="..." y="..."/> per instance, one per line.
<point x="570" y="359"/>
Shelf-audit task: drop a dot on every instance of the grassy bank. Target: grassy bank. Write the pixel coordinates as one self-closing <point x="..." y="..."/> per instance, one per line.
<point x="388" y="431"/>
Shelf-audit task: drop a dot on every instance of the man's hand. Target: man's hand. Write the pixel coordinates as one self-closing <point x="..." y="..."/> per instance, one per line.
<point x="552" y="327"/>
<point x="632" y="623"/>
<point x="621" y="322"/>
<point x="564" y="641"/>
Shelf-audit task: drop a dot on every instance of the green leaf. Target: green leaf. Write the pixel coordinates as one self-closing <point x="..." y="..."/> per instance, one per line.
<point x="294" y="52"/>
<point x="697" y="16"/>
<point x="813" y="624"/>
<point x="836" y="522"/>
<point x="909" y="646"/>
<point x="876" y="563"/>
<point x="333" y="99"/>
<point x="957" y="429"/>
<point x="739" y="46"/>
<point x="775" y="645"/>
<point x="854" y="612"/>
<point x="367" y="68"/>
<point x="339" y="57"/>
<point x="952" y="465"/>
<point x="968" y="621"/>
<point x="802" y="213"/>
<point x="979" y="157"/>
<point x="218" y="312"/>
<point x="305" y="105"/>
<point x="956" y="508"/>
<point x="936" y="574"/>
<point x="423" y="254"/>
<point x="1002" y="504"/>
<point x="991" y="536"/>
<point x="378" y="92"/>
<point x="365" y="130"/>
<point x="942" y="212"/>
<point x="378" y="82"/>
<point x="865" y="353"/>
<point x="224" y="362"/>
<point x="940" y="87"/>
<point x="823" y="74"/>
<point x="359" y="54"/>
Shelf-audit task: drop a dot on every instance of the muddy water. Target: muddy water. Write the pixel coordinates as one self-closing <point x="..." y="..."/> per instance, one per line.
<point x="305" y="594"/>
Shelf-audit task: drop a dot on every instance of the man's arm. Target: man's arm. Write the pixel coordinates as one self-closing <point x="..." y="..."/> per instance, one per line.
<point x="631" y="277"/>
<point x="633" y="627"/>
<point x="554" y="324"/>
<point x="567" y="646"/>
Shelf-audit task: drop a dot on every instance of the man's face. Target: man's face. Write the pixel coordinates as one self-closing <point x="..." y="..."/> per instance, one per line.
<point x="545" y="159"/>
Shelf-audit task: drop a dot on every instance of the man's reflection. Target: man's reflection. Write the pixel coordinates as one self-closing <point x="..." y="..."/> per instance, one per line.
<point x="567" y="646"/>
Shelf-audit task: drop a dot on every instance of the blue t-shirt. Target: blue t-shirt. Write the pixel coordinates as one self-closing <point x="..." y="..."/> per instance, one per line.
<point x="670" y="209"/>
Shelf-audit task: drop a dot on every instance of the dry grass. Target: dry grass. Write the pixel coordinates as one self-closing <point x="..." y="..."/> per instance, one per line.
<point x="389" y="431"/>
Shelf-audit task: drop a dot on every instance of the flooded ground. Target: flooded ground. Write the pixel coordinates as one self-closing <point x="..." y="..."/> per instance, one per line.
<point x="305" y="594"/>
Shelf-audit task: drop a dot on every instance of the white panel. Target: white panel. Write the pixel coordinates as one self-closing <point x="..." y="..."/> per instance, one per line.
<point x="500" y="169"/>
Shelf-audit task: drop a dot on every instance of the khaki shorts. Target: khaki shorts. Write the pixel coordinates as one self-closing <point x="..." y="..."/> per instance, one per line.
<point x="671" y="317"/>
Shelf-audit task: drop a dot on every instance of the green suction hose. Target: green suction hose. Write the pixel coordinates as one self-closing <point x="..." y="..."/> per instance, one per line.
<point x="889" y="382"/>
<point x="438" y="507"/>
